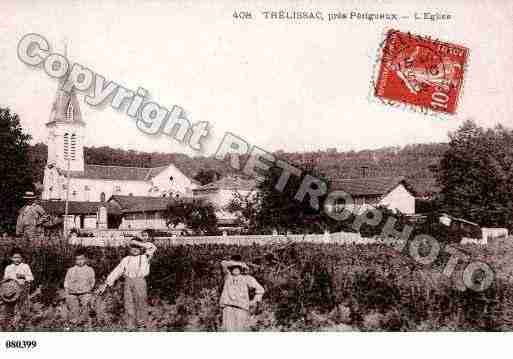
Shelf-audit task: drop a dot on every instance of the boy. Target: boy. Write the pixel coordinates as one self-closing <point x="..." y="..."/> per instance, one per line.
<point x="146" y="236"/>
<point x="21" y="273"/>
<point x="235" y="296"/>
<point x="78" y="284"/>
<point x="134" y="268"/>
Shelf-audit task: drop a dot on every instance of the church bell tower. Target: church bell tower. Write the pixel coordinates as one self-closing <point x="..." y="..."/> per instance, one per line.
<point x="66" y="133"/>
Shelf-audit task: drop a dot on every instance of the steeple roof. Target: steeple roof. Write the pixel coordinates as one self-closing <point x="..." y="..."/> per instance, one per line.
<point x="59" y="112"/>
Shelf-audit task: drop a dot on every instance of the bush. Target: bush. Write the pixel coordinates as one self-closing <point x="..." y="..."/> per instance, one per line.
<point x="308" y="287"/>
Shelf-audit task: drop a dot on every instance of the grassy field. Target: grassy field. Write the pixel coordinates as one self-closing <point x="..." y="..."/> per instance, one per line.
<point x="308" y="287"/>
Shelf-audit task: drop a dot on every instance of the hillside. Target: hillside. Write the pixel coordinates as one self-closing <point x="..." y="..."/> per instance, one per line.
<point x="412" y="161"/>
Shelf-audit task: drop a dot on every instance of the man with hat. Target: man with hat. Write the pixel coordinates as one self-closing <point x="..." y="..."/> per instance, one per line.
<point x="31" y="218"/>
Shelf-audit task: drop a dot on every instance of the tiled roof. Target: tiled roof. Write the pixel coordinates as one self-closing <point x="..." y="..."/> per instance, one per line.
<point x="230" y="183"/>
<point x="425" y="186"/>
<point x="367" y="186"/>
<point x="116" y="173"/>
<point x="155" y="171"/>
<point x="131" y="204"/>
<point x="59" y="207"/>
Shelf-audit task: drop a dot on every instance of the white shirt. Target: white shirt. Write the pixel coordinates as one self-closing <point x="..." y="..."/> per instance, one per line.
<point x="12" y="270"/>
<point x="133" y="266"/>
<point x="79" y="279"/>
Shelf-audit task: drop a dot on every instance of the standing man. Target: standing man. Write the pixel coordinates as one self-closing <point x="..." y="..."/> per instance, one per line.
<point x="31" y="219"/>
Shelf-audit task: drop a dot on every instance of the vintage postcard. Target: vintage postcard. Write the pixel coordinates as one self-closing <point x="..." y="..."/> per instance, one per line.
<point x="268" y="166"/>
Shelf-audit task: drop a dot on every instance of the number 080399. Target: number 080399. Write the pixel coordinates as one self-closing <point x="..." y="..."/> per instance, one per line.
<point x="20" y="344"/>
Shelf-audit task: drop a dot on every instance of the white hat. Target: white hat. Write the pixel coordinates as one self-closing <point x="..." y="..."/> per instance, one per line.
<point x="29" y="195"/>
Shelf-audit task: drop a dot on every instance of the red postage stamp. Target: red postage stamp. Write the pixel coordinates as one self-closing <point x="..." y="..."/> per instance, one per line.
<point x="420" y="71"/>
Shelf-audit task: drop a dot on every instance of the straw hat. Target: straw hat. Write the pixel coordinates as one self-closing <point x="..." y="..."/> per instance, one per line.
<point x="243" y="267"/>
<point x="10" y="290"/>
<point x="29" y="195"/>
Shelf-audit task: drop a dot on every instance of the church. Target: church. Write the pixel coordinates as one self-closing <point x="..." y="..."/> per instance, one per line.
<point x="89" y="183"/>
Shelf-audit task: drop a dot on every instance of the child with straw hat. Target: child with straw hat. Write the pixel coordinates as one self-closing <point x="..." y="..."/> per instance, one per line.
<point x="15" y="286"/>
<point x="133" y="268"/>
<point x="235" y="300"/>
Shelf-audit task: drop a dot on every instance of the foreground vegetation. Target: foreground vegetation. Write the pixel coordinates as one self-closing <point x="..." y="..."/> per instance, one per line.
<point x="308" y="287"/>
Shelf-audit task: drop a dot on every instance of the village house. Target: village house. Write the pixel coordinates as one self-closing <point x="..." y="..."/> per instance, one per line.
<point x="141" y="212"/>
<point x="370" y="192"/>
<point x="220" y="193"/>
<point x="121" y="212"/>
<point x="81" y="215"/>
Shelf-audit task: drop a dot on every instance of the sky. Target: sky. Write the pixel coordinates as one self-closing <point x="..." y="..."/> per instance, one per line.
<point x="279" y="84"/>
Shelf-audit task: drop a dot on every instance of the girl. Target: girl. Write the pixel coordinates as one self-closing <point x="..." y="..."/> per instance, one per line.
<point x="235" y="296"/>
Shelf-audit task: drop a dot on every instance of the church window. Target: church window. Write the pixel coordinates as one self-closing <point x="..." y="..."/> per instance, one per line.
<point x="66" y="146"/>
<point x="102" y="197"/>
<point x="69" y="113"/>
<point x="72" y="147"/>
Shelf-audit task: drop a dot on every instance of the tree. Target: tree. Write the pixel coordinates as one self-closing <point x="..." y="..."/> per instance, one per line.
<point x="207" y="176"/>
<point x="280" y="210"/>
<point x="475" y="175"/>
<point x="38" y="154"/>
<point x="245" y="207"/>
<point x="197" y="215"/>
<point x="15" y="168"/>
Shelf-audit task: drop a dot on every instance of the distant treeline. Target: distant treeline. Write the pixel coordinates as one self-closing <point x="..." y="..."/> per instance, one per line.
<point x="118" y="157"/>
<point x="415" y="162"/>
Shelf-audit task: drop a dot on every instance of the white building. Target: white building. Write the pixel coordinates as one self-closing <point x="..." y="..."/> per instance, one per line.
<point x="370" y="192"/>
<point x="220" y="193"/>
<point x="95" y="183"/>
<point x="141" y="212"/>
